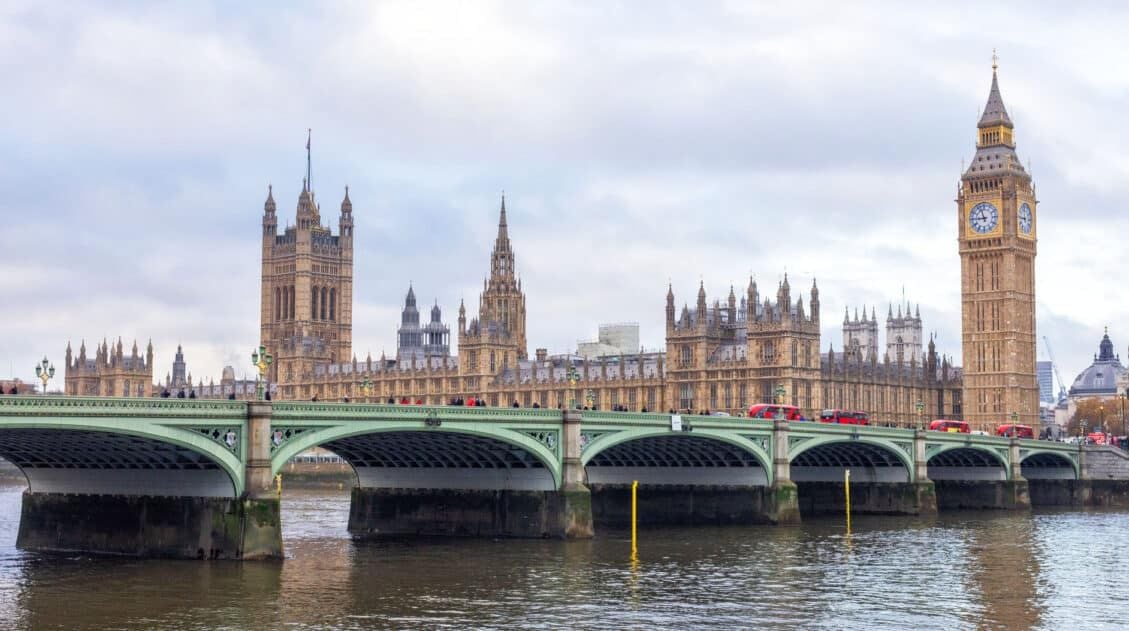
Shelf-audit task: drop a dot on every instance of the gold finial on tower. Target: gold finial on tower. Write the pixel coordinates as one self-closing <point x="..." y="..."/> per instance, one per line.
<point x="995" y="60"/>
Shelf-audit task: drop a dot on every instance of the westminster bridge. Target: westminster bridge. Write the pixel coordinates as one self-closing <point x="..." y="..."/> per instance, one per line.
<point x="194" y="478"/>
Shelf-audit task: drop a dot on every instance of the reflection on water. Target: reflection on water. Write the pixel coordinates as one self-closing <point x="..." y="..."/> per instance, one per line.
<point x="964" y="570"/>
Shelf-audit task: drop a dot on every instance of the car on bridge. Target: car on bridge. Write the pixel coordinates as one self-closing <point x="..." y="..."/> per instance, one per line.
<point x="844" y="417"/>
<point x="946" y="425"/>
<point x="1014" y="430"/>
<point x="771" y="411"/>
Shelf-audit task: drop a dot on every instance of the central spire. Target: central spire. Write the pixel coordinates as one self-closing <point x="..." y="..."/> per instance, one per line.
<point x="502" y="258"/>
<point x="994" y="111"/>
<point x="309" y="183"/>
<point x="503" y="232"/>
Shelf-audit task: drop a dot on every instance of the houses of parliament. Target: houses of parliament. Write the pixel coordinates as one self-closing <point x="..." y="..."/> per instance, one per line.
<point x="721" y="355"/>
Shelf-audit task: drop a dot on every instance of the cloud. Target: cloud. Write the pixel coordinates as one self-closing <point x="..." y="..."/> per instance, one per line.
<point x="638" y="145"/>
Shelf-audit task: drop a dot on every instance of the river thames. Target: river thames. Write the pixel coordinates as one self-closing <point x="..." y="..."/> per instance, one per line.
<point x="967" y="570"/>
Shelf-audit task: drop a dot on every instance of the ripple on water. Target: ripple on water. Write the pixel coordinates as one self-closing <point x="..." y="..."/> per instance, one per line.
<point x="1048" y="570"/>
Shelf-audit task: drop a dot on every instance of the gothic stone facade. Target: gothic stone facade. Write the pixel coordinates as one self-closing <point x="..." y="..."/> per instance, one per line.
<point x="717" y="359"/>
<point x="727" y="357"/>
<point x="306" y="314"/>
<point x="111" y="372"/>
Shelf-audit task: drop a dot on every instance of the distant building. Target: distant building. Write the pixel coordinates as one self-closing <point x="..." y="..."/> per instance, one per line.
<point x="421" y="342"/>
<point x="1099" y="380"/>
<point x="111" y="373"/>
<point x="1045" y="372"/>
<point x="612" y="339"/>
<point x="229" y="387"/>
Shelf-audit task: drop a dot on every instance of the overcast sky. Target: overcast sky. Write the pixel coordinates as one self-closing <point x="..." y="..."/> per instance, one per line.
<point x="638" y="143"/>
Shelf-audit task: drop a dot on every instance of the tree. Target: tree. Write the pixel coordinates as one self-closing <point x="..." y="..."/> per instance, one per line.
<point x="1095" y="413"/>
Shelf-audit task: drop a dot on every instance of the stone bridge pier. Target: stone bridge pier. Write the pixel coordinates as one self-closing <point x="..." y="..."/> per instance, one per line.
<point x="415" y="481"/>
<point x="147" y="483"/>
<point x="885" y="478"/>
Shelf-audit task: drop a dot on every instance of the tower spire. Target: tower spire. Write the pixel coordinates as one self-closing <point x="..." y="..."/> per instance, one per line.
<point x="994" y="111"/>
<point x="502" y="228"/>
<point x="309" y="164"/>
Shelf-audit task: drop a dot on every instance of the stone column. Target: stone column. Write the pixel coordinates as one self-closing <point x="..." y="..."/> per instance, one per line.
<point x="1016" y="492"/>
<point x="576" y="499"/>
<point x="924" y="490"/>
<point x="784" y="504"/>
<point x="1082" y="490"/>
<point x="258" y="481"/>
<point x="259" y="510"/>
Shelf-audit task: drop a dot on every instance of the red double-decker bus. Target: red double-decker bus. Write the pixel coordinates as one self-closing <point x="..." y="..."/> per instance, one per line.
<point x="844" y="417"/>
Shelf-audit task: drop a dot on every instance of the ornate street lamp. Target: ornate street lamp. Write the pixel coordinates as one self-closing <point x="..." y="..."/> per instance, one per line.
<point x="779" y="398"/>
<point x="920" y="407"/>
<point x="44" y="371"/>
<point x="590" y="398"/>
<point x="1014" y="421"/>
<point x="572" y="377"/>
<point x="1124" y="395"/>
<point x="366" y="388"/>
<point x="262" y="360"/>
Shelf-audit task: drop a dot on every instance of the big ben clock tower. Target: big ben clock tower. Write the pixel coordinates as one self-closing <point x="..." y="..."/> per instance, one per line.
<point x="996" y="222"/>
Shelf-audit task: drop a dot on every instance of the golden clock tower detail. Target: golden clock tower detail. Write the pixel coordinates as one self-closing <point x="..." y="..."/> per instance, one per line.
<point x="996" y="223"/>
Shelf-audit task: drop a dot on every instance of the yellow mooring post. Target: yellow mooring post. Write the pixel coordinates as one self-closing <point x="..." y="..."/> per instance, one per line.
<point x="634" y="489"/>
<point x="847" y="489"/>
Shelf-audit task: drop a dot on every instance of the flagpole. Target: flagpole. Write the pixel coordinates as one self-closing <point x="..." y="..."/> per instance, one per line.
<point x="309" y="168"/>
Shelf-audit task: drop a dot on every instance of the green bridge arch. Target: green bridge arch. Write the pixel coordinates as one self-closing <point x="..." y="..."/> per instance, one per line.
<point x="900" y="450"/>
<point x="613" y="438"/>
<point x="316" y="436"/>
<point x="176" y="424"/>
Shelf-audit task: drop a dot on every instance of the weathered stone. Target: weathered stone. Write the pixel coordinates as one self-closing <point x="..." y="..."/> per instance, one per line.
<point x="144" y="526"/>
<point x="682" y="505"/>
<point x="379" y="512"/>
<point x="982" y="494"/>
<point x="868" y="498"/>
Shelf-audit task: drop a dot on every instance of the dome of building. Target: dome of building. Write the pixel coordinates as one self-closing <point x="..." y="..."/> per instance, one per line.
<point x="1100" y="379"/>
<point x="228" y="375"/>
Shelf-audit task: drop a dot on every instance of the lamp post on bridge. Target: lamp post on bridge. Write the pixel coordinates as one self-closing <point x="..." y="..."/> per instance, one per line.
<point x="261" y="360"/>
<point x="920" y="407"/>
<point x="590" y="399"/>
<point x="44" y="371"/>
<point x="572" y="377"/>
<point x="365" y="387"/>
<point x="779" y="393"/>
<point x="1123" y="396"/>
<point x="1014" y="422"/>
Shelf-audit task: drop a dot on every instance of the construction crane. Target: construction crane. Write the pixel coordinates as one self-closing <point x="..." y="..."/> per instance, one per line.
<point x="1054" y="365"/>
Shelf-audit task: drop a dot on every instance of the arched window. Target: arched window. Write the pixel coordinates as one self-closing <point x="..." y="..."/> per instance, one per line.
<point x="277" y="303"/>
<point x="333" y="304"/>
<point x="291" y="309"/>
<point x="324" y="299"/>
<point x="314" y="303"/>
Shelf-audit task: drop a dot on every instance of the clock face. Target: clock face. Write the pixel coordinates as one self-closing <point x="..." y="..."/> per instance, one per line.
<point x="1025" y="218"/>
<point x="983" y="217"/>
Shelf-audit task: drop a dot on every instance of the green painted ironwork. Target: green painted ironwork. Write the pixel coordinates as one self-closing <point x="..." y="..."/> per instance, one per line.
<point x="218" y="429"/>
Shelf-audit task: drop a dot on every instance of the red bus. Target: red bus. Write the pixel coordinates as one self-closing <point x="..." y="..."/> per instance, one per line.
<point x="769" y="411"/>
<point x="945" y="425"/>
<point x="1018" y="431"/>
<point x="844" y="417"/>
